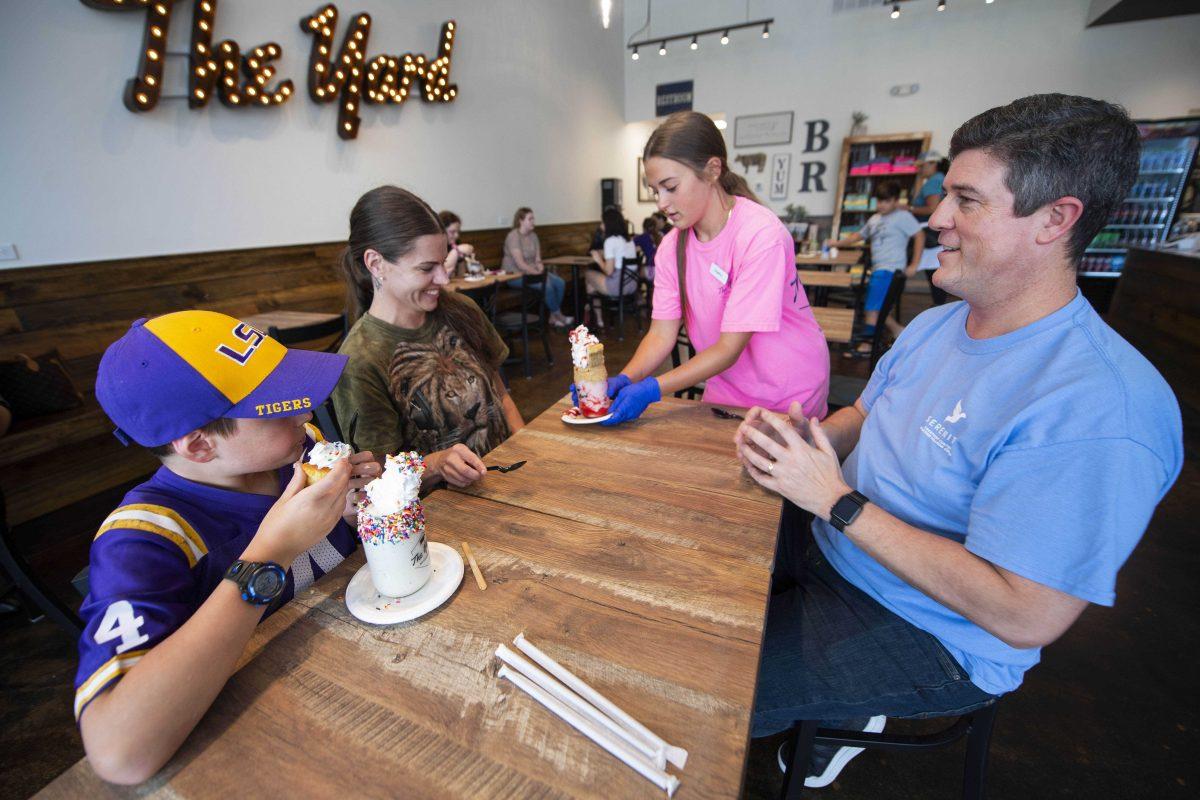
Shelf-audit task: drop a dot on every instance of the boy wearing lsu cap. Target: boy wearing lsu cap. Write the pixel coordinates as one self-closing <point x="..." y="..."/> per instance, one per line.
<point x="182" y="572"/>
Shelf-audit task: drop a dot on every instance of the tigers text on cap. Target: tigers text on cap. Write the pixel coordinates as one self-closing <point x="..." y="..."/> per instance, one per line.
<point x="170" y="375"/>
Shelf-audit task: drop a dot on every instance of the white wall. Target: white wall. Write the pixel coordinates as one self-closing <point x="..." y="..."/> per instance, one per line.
<point x="82" y="178"/>
<point x="825" y="64"/>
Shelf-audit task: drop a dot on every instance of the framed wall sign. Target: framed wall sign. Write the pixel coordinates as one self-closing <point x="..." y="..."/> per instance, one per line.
<point x="672" y="97"/>
<point x="781" y="174"/>
<point x="645" y="195"/>
<point x="757" y="130"/>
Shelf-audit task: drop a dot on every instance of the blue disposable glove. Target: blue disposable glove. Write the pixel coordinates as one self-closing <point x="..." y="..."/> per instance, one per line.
<point x="615" y="384"/>
<point x="633" y="400"/>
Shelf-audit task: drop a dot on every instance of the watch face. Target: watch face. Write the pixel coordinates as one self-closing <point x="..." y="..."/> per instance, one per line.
<point x="267" y="582"/>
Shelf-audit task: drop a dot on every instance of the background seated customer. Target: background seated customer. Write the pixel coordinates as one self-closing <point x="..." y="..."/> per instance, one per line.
<point x="1008" y="450"/>
<point x="424" y="363"/>
<point x="606" y="279"/>
<point x="888" y="231"/>
<point x="925" y="201"/>
<point x="647" y="241"/>
<point x="457" y="252"/>
<point x="523" y="254"/>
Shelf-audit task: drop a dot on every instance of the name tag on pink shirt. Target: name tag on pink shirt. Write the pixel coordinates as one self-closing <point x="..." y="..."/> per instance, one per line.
<point x="721" y="275"/>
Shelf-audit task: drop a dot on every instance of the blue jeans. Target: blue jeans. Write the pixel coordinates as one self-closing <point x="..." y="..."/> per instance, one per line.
<point x="832" y="653"/>
<point x="556" y="287"/>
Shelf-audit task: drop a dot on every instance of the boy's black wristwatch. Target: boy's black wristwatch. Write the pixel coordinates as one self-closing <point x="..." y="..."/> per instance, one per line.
<point x="847" y="509"/>
<point x="259" y="582"/>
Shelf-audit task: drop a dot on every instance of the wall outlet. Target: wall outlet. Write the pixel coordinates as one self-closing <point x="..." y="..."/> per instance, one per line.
<point x="8" y="252"/>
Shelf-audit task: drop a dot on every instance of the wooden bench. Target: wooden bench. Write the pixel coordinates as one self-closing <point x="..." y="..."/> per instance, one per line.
<point x="50" y="462"/>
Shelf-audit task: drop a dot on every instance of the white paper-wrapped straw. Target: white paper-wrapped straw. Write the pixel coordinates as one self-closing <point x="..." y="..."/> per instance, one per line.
<point x="657" y="756"/>
<point x="675" y="755"/>
<point x="663" y="780"/>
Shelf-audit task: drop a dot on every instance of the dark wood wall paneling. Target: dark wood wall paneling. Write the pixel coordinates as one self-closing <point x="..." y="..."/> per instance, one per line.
<point x="80" y="309"/>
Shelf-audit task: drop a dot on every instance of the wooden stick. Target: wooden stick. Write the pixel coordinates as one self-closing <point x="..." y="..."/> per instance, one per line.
<point x="474" y="567"/>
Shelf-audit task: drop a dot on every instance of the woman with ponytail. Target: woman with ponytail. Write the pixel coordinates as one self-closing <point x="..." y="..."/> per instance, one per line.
<point x="424" y="363"/>
<point x="747" y="315"/>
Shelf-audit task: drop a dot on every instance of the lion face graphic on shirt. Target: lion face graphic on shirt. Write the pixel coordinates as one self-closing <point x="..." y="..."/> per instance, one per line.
<point x="445" y="395"/>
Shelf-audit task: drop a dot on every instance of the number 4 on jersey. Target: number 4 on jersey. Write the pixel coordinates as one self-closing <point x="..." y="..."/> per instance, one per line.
<point x="120" y="623"/>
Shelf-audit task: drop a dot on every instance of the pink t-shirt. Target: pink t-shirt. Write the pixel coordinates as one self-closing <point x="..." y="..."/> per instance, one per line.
<point x="745" y="280"/>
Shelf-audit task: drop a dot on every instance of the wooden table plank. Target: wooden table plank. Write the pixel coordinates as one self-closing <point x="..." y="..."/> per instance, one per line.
<point x="324" y="705"/>
<point x="288" y="319"/>
<point x="837" y="323"/>
<point x="845" y="258"/>
<point x="816" y="277"/>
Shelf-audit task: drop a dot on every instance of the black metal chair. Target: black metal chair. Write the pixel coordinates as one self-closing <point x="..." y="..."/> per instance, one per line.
<point x="30" y="585"/>
<point x="629" y="297"/>
<point x="311" y="333"/>
<point x="976" y="726"/>
<point x="530" y="314"/>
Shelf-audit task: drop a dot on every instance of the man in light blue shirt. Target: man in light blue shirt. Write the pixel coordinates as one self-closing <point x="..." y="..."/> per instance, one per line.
<point x="999" y="468"/>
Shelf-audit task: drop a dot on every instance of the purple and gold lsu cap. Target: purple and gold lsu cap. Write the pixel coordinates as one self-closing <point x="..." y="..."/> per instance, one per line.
<point x="170" y="375"/>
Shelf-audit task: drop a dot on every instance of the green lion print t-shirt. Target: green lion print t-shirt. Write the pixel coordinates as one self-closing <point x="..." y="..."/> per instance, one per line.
<point x="419" y="388"/>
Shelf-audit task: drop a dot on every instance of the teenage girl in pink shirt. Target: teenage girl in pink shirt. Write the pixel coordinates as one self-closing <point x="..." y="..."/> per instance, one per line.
<point x="757" y="342"/>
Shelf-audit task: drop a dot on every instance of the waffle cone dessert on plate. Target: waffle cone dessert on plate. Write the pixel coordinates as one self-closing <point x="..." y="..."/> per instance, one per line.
<point x="591" y="374"/>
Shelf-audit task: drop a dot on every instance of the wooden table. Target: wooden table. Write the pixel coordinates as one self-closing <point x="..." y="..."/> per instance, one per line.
<point x="288" y="319"/>
<point x="576" y="263"/>
<point x="489" y="280"/>
<point x="638" y="556"/>
<point x="844" y="258"/>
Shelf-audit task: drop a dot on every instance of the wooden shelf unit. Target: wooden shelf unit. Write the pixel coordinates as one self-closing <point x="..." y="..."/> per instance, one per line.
<point x="888" y="144"/>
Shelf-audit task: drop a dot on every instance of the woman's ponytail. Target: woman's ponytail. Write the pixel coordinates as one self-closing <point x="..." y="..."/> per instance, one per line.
<point x="736" y="185"/>
<point x="359" y="291"/>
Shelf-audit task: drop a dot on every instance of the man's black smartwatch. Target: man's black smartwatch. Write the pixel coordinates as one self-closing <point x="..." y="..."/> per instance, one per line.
<point x="260" y="583"/>
<point x="847" y="509"/>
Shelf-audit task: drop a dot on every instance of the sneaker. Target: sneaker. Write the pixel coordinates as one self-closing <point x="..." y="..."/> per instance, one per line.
<point x="828" y="762"/>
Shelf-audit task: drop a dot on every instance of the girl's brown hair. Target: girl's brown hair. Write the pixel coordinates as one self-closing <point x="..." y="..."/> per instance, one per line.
<point x="691" y="138"/>
<point x="389" y="220"/>
<point x="522" y="212"/>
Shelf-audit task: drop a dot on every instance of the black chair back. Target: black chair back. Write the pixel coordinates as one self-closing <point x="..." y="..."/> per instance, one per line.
<point x="531" y="314"/>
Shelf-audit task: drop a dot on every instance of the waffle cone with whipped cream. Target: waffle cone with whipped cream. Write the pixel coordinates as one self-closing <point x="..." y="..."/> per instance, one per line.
<point x="595" y="369"/>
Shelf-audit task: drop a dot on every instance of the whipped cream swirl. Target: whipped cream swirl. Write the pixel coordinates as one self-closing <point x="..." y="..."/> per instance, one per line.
<point x="397" y="487"/>
<point x="580" y="339"/>
<point x="326" y="454"/>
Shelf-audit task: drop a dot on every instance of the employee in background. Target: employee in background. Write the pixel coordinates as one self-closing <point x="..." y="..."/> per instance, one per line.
<point x="925" y="201"/>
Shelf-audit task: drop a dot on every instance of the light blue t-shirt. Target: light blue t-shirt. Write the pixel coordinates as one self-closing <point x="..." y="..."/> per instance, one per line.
<point x="1044" y="451"/>
<point x="889" y="235"/>
<point x="932" y="187"/>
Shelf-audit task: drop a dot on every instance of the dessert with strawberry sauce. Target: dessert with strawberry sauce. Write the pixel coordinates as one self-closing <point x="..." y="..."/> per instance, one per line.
<point x="591" y="376"/>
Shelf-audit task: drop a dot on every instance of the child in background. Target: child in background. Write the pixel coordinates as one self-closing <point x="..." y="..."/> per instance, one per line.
<point x="182" y="572"/>
<point x="888" y="231"/>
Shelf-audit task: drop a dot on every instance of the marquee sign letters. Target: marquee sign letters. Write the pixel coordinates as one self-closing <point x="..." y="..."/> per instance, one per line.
<point x="238" y="79"/>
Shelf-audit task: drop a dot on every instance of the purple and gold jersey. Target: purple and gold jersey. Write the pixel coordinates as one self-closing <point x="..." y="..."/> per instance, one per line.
<point x="159" y="556"/>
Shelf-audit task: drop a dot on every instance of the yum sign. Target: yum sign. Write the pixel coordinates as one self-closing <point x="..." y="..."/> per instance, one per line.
<point x="347" y="76"/>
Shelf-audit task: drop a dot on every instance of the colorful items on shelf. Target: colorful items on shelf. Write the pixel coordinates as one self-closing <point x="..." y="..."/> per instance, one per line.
<point x="900" y="165"/>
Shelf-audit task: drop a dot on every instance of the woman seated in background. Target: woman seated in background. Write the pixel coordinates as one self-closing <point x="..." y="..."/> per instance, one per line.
<point x="523" y="254"/>
<point x="424" y="363"/>
<point x="607" y="278"/>
<point x="647" y="241"/>
<point x="459" y="252"/>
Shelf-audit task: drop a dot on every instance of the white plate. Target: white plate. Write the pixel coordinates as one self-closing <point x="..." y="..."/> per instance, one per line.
<point x="570" y="420"/>
<point x="369" y="605"/>
<point x="475" y="278"/>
